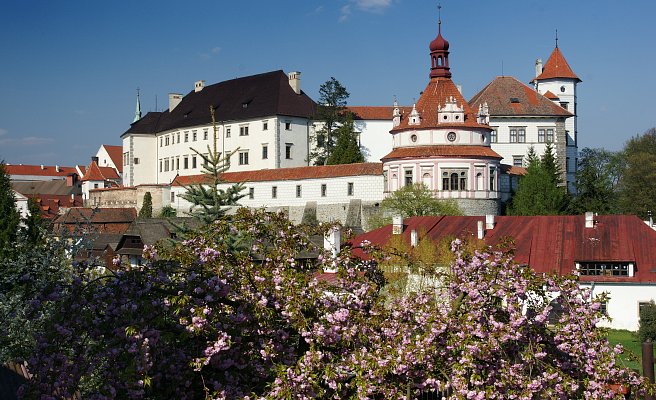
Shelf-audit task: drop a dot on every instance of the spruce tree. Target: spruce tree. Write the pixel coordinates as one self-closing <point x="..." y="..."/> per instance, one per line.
<point x="537" y="193"/>
<point x="208" y="201"/>
<point x="347" y="150"/>
<point x="33" y="224"/>
<point x="10" y="219"/>
<point x="147" y="206"/>
<point x="550" y="163"/>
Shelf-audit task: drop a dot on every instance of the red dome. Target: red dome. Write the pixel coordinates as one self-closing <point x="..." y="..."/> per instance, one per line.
<point x="439" y="43"/>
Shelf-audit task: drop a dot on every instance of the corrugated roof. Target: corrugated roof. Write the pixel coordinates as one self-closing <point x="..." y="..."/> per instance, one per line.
<point x="506" y="96"/>
<point x="556" y="67"/>
<point x="441" y="151"/>
<point x="284" y="174"/>
<point x="547" y="243"/>
<point x="239" y="99"/>
<point x="436" y="94"/>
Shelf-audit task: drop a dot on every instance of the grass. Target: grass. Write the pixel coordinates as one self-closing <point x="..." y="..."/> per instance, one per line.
<point x="632" y="356"/>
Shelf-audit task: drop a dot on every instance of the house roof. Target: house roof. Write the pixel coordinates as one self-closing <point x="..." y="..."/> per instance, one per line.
<point x="547" y="243"/>
<point x="506" y="96"/>
<point x="96" y="173"/>
<point x="239" y="99"/>
<point x="97" y="215"/>
<point x="50" y="187"/>
<point x="285" y="174"/>
<point x="375" y="112"/>
<point x="556" y="67"/>
<point x="39" y="170"/>
<point x="436" y="94"/>
<point x="441" y="151"/>
<point x="116" y="154"/>
<point x="513" y="170"/>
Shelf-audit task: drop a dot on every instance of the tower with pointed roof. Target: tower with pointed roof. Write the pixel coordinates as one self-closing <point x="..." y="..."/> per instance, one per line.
<point x="445" y="144"/>
<point x="557" y="81"/>
<point x="137" y="112"/>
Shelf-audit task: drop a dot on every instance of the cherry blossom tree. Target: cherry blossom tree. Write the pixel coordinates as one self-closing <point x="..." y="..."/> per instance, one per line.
<point x="235" y="312"/>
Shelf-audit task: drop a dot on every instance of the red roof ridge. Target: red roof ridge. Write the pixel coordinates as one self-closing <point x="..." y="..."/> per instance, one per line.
<point x="556" y="67"/>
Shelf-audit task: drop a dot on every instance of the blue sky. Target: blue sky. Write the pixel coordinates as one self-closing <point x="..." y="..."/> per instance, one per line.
<point x="69" y="69"/>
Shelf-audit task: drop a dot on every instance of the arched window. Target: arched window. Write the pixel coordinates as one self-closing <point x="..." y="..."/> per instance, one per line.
<point x="463" y="181"/>
<point x="427" y="180"/>
<point x="479" y="181"/>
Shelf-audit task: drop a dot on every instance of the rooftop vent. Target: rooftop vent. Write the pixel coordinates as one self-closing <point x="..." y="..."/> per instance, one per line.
<point x="514" y="100"/>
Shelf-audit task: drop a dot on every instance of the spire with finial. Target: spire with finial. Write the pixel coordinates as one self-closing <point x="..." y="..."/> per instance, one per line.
<point x="137" y="112"/>
<point x="556" y="38"/>
<point x="439" y="52"/>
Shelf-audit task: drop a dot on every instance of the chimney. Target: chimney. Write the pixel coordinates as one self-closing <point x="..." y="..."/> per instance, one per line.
<point x="94" y="159"/>
<point x="489" y="221"/>
<point x="57" y="168"/>
<point x="481" y="231"/>
<point x="414" y="238"/>
<point x="459" y="88"/>
<point x="397" y="225"/>
<point x="589" y="219"/>
<point x="295" y="81"/>
<point x="174" y="100"/>
<point x="538" y="67"/>
<point x="332" y="243"/>
<point x="198" y="86"/>
<point x="42" y="167"/>
<point x="70" y="180"/>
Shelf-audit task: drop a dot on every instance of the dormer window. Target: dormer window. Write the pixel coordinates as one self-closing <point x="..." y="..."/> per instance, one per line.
<point x="600" y="268"/>
<point x="451" y="112"/>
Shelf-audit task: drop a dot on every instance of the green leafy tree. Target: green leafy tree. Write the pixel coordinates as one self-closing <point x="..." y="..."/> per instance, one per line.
<point x="167" y="212"/>
<point x="347" y="150"/>
<point x="147" y="206"/>
<point x="33" y="228"/>
<point x="597" y="177"/>
<point x="332" y="112"/>
<point x="647" y="329"/>
<point x="638" y="183"/>
<point x="10" y="220"/>
<point x="208" y="200"/>
<point x="410" y="201"/>
<point x="538" y="193"/>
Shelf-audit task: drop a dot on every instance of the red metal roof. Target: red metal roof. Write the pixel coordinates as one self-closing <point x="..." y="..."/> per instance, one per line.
<point x="547" y="243"/>
<point x="116" y="154"/>
<point x="556" y="67"/>
<point x="441" y="151"/>
<point x="284" y="174"/>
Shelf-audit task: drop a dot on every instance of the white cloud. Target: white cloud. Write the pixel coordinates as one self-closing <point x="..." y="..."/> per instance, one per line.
<point x="345" y="13"/>
<point x="371" y="6"/>
<point x="2" y="131"/>
<point x="211" y="53"/>
<point x="26" y="141"/>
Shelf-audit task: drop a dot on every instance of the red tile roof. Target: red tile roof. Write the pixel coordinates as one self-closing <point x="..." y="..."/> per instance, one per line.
<point x="441" y="151"/>
<point x="98" y="215"/>
<point x="375" y="113"/>
<point x="285" y="174"/>
<point x="547" y="243"/>
<point x="513" y="170"/>
<point x="435" y="95"/>
<point x="96" y="173"/>
<point x="549" y="95"/>
<point x="38" y="170"/>
<point x="51" y="203"/>
<point x="556" y="67"/>
<point x="116" y="154"/>
<point x="506" y="96"/>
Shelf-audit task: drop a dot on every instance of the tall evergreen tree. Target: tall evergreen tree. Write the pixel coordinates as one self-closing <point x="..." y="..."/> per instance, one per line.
<point x="550" y="164"/>
<point x="208" y="201"/>
<point x="332" y="112"/>
<point x="147" y="206"/>
<point x="537" y="193"/>
<point x="347" y="150"/>
<point x="597" y="177"/>
<point x="33" y="224"/>
<point x="10" y="217"/>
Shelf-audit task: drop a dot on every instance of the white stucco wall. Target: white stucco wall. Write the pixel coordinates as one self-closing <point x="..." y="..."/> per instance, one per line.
<point x="375" y="138"/>
<point x="623" y="304"/>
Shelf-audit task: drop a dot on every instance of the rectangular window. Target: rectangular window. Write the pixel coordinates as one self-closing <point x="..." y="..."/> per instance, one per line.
<point x="251" y="193"/>
<point x="172" y="197"/>
<point x="166" y="165"/>
<point x="265" y="151"/>
<point x="324" y="189"/>
<point x="204" y="134"/>
<point x="243" y="131"/>
<point x="541" y="135"/>
<point x="349" y="189"/>
<point x="126" y="158"/>
<point x="408" y="177"/>
<point x="161" y="141"/>
<point x="564" y="105"/>
<point x="493" y="136"/>
<point x="518" y="161"/>
<point x="517" y="135"/>
<point x="265" y="125"/>
<point x="545" y="135"/>
<point x="550" y="135"/>
<point x="227" y="130"/>
<point x="136" y="160"/>
<point x="288" y="125"/>
<point x="298" y="191"/>
<point x="194" y="135"/>
<point x="288" y="151"/>
<point x="193" y="162"/>
<point x="178" y="137"/>
<point x="605" y="268"/>
<point x="177" y="163"/>
<point x="186" y="163"/>
<point x="243" y="157"/>
<point x="274" y="192"/>
<point x="166" y="140"/>
<point x="160" y="165"/>
<point x="186" y="135"/>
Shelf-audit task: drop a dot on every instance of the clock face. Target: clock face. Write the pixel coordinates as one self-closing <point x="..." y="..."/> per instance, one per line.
<point x="451" y="136"/>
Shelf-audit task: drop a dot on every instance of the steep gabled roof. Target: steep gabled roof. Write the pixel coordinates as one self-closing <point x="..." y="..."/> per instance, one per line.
<point x="442" y="151"/>
<point x="285" y="174"/>
<point x="435" y="95"/>
<point x="96" y="173"/>
<point x="116" y="154"/>
<point x="547" y="243"/>
<point x="556" y="67"/>
<point x="239" y="99"/>
<point x="506" y="96"/>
